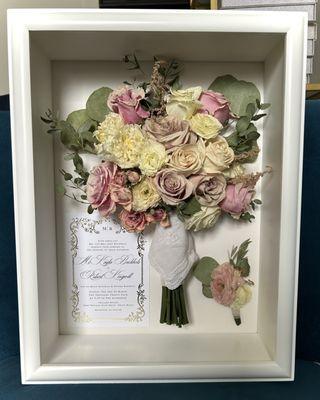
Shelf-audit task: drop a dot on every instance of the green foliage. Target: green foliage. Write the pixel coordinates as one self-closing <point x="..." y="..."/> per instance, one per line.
<point x="247" y="217"/>
<point x="202" y="270"/>
<point x="77" y="118"/>
<point x="239" y="93"/>
<point x="96" y="106"/>
<point x="238" y="258"/>
<point x="188" y="208"/>
<point x="206" y="291"/>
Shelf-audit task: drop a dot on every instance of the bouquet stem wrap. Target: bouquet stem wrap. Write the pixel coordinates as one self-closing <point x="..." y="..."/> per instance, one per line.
<point x="172" y="254"/>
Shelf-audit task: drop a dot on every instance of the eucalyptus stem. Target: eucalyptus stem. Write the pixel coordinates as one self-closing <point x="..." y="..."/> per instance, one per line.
<point x="173" y="307"/>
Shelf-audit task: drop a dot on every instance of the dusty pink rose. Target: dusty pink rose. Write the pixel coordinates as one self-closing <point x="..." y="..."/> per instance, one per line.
<point x="121" y="195"/>
<point x="98" y="188"/>
<point x="237" y="199"/>
<point x="215" y="104"/>
<point x="158" y="215"/>
<point x="133" y="221"/>
<point x="170" y="131"/>
<point x="172" y="186"/>
<point x="126" y="101"/>
<point x="209" y="190"/>
<point x="225" y="281"/>
<point x="133" y="176"/>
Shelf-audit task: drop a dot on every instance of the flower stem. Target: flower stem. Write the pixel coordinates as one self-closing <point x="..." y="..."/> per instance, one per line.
<point x="173" y="307"/>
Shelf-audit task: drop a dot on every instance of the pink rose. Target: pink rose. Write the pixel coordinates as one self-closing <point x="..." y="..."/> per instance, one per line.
<point x="98" y="188"/>
<point x="158" y="215"/>
<point x="126" y="102"/>
<point x="225" y="281"/>
<point x="121" y="195"/>
<point x="216" y="104"/>
<point x="172" y="186"/>
<point x="237" y="200"/>
<point x="133" y="221"/>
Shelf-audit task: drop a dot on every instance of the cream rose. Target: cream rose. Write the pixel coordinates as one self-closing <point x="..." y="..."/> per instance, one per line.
<point x="243" y="296"/>
<point x="205" y="126"/>
<point x="218" y="156"/>
<point x="188" y="159"/>
<point x="203" y="219"/>
<point x="145" y="195"/>
<point x="152" y="158"/>
<point x="184" y="103"/>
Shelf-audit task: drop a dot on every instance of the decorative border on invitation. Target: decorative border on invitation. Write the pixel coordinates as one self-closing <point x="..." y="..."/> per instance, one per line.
<point x="90" y="226"/>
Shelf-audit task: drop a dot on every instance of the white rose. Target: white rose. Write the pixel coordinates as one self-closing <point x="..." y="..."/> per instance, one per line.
<point x="184" y="103"/>
<point x="218" y="157"/>
<point x="205" y="125"/>
<point x="203" y="219"/>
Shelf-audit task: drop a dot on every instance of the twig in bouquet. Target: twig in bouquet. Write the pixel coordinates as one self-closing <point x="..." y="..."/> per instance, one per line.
<point x="133" y="63"/>
<point x="76" y="199"/>
<point x="251" y="179"/>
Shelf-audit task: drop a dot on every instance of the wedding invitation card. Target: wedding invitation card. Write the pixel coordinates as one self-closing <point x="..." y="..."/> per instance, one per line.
<point x="108" y="276"/>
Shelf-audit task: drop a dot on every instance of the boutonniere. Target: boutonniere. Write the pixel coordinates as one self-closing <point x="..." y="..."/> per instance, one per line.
<point x="227" y="283"/>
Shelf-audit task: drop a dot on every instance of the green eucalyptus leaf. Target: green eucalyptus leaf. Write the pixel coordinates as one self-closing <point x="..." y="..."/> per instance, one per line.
<point x="78" y="162"/>
<point x="264" y="106"/>
<point x="67" y="176"/>
<point x="96" y="106"/>
<point x="242" y="124"/>
<point x="257" y="201"/>
<point x="68" y="135"/>
<point x="61" y="189"/>
<point x="258" y="116"/>
<point x="203" y="269"/>
<point x="190" y="207"/>
<point x="250" y="110"/>
<point x="206" y="291"/>
<point x="88" y="136"/>
<point x="239" y="93"/>
<point x="233" y="139"/>
<point x="90" y="209"/>
<point x="78" y="118"/>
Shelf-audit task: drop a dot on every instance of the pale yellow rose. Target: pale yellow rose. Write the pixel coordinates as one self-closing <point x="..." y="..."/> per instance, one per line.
<point x="234" y="171"/>
<point x="188" y="159"/>
<point x="108" y="128"/>
<point x="205" y="125"/>
<point x="126" y="147"/>
<point x="145" y="195"/>
<point x="184" y="103"/>
<point x="243" y="296"/>
<point x="218" y="157"/>
<point x="153" y="157"/>
<point x="203" y="219"/>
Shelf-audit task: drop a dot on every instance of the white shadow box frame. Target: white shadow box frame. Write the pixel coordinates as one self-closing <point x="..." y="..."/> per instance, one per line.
<point x="50" y="52"/>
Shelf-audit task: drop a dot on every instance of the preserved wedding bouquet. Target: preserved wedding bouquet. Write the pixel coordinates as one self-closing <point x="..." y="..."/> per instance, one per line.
<point x="164" y="149"/>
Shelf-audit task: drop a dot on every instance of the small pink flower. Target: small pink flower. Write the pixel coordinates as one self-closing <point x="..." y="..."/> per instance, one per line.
<point x="120" y="178"/>
<point x="133" y="176"/>
<point x="121" y="195"/>
<point x="215" y="104"/>
<point x="98" y="188"/>
<point x="158" y="215"/>
<point x="225" y="281"/>
<point x="237" y="199"/>
<point x="126" y="102"/>
<point x="133" y="221"/>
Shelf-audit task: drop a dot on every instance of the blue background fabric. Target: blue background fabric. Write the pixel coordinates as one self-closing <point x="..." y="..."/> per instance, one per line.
<point x="307" y="383"/>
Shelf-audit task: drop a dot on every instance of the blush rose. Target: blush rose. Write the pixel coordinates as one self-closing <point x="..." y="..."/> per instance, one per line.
<point x="215" y="104"/>
<point x="133" y="221"/>
<point x="126" y="101"/>
<point x="237" y="199"/>
<point x="225" y="282"/>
